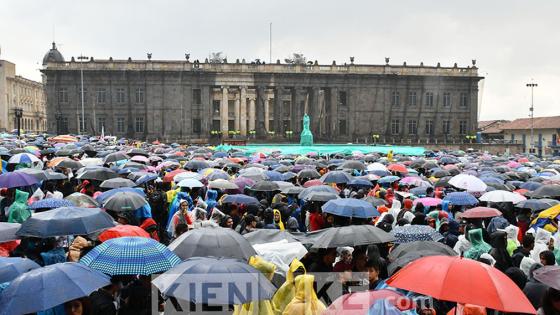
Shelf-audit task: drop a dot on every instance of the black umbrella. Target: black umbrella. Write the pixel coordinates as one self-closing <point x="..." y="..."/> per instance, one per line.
<point x="212" y="242"/>
<point x="52" y="175"/>
<point x="196" y="165"/>
<point x="124" y="201"/>
<point x="116" y="156"/>
<point x="137" y="151"/>
<point x="69" y="163"/>
<point x="265" y="186"/>
<point x="309" y="173"/>
<point x="420" y="246"/>
<point x="353" y="235"/>
<point x="97" y="173"/>
<point x="320" y="188"/>
<point x="225" y="275"/>
<point x="262" y="236"/>
<point x="410" y="257"/>
<point x="321" y="196"/>
<point x="537" y="204"/>
<point x="117" y="182"/>
<point x="546" y="191"/>
<point x="66" y="221"/>
<point x="353" y="165"/>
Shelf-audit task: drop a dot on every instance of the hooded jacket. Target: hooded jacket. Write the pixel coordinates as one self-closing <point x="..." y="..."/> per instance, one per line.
<point x="499" y="251"/>
<point x="478" y="245"/>
<point x="262" y="307"/>
<point x="19" y="211"/>
<point x="305" y="301"/>
<point x="287" y="291"/>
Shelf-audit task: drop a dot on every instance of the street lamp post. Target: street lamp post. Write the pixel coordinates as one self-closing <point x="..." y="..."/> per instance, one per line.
<point x="83" y="124"/>
<point x="19" y="114"/>
<point x="532" y="114"/>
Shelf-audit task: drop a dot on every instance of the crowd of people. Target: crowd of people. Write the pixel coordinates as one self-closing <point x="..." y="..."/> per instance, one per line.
<point x="186" y="188"/>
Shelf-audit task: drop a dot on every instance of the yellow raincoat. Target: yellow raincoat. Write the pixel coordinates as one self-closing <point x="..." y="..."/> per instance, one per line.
<point x="305" y="301"/>
<point x="549" y="215"/>
<point x="263" y="307"/>
<point x="287" y="291"/>
<point x="280" y="223"/>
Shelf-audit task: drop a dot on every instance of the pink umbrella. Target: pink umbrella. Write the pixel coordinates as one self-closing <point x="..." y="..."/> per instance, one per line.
<point x="430" y="202"/>
<point x="243" y="182"/>
<point x="513" y="164"/>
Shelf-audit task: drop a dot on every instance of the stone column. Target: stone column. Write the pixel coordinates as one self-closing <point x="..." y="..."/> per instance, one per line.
<point x="224" y="115"/>
<point x="260" y="108"/>
<point x="237" y="123"/>
<point x="266" y="114"/>
<point x="333" y="113"/>
<point x="252" y="114"/>
<point x="243" y="111"/>
<point x="278" y="111"/>
<point x="295" y="110"/>
<point x="314" y="110"/>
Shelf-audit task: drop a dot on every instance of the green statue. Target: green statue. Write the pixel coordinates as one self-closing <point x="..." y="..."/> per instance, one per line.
<point x="306" y="138"/>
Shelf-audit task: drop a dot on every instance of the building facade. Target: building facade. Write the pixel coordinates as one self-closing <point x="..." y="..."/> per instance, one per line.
<point x="17" y="92"/>
<point x="546" y="134"/>
<point x="189" y="101"/>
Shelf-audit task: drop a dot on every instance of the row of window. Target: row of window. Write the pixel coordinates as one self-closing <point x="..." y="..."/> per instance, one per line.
<point x="101" y="95"/>
<point x="428" y="99"/>
<point x="120" y="124"/>
<point x="429" y="127"/>
<point x="31" y="124"/>
<point x="139" y="97"/>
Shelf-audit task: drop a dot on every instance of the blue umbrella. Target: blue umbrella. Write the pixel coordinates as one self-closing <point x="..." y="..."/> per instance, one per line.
<point x="219" y="155"/>
<point x="51" y="203"/>
<point x="44" y="288"/>
<point x="380" y="172"/>
<point x="360" y="182"/>
<point x="350" y="207"/>
<point x="146" y="178"/>
<point x="530" y="185"/>
<point x="288" y="175"/>
<point x="315" y="189"/>
<point x="8" y="231"/>
<point x="388" y="179"/>
<point x="274" y="176"/>
<point x="492" y="180"/>
<point x="106" y="195"/>
<point x="232" y="282"/>
<point x="240" y="199"/>
<point x="412" y="233"/>
<point x="461" y="199"/>
<point x="66" y="221"/>
<point x="130" y="256"/>
<point x="17" y="179"/>
<point x="337" y="177"/>
<point x="12" y="267"/>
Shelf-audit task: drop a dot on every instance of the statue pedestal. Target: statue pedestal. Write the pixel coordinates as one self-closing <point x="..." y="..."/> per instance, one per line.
<point x="306" y="138"/>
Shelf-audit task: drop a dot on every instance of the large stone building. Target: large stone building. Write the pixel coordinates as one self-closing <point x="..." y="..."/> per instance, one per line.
<point x="16" y="93"/>
<point x="190" y="101"/>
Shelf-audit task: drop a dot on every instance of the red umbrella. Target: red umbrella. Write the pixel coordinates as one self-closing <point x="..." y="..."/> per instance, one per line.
<point x="481" y="212"/>
<point x="313" y="182"/>
<point x="121" y="231"/>
<point x="168" y="178"/>
<point x="360" y="302"/>
<point x="464" y="281"/>
<point x="397" y="168"/>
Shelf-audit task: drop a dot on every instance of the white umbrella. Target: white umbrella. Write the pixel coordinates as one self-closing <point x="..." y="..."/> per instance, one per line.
<point x="376" y="167"/>
<point x="502" y="196"/>
<point x="186" y="175"/>
<point x="468" y="182"/>
<point x="190" y="183"/>
<point x="92" y="162"/>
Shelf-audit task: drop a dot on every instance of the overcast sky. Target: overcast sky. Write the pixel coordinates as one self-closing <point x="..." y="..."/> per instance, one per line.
<point x="512" y="41"/>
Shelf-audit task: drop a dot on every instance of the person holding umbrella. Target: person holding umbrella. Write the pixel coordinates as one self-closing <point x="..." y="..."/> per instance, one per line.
<point x="182" y="216"/>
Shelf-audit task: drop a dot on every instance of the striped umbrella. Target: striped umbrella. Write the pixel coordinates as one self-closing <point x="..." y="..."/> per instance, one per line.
<point x="23" y="158"/>
<point x="130" y="256"/>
